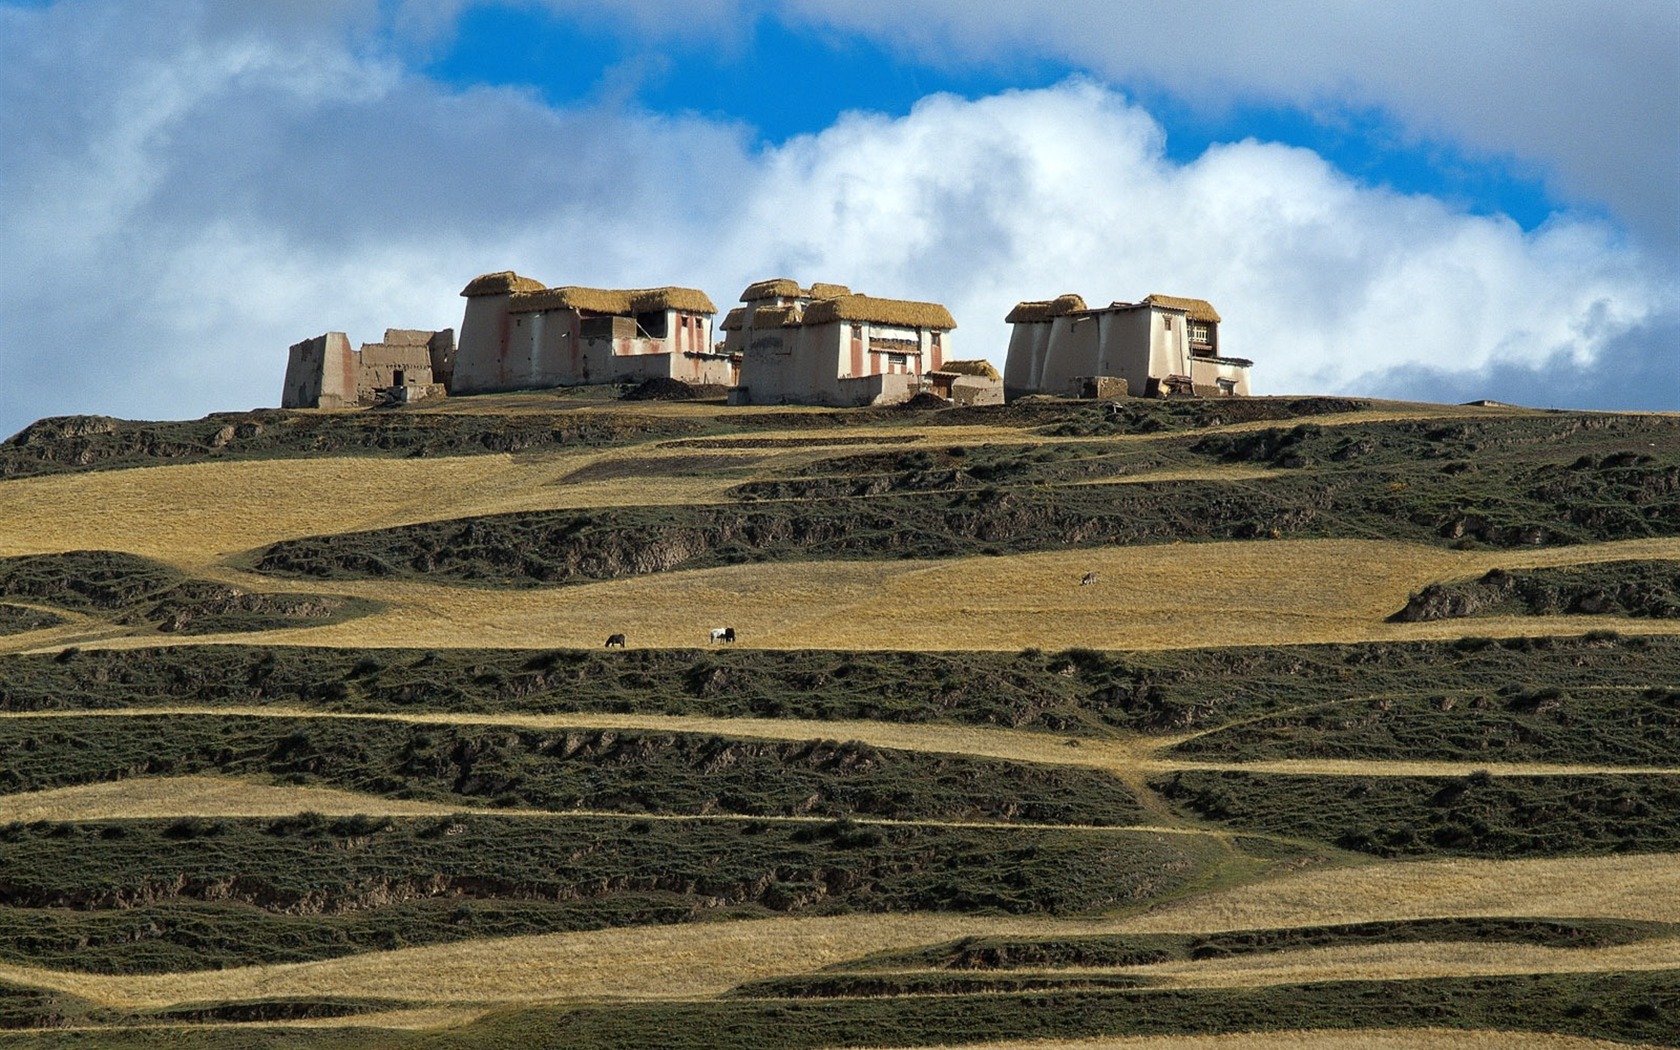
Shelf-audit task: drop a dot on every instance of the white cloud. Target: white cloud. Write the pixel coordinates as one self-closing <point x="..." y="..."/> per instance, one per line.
<point x="195" y="195"/>
<point x="1323" y="281"/>
<point x="1588" y="92"/>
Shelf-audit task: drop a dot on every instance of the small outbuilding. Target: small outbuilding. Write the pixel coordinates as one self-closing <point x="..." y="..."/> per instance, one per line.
<point x="519" y="334"/>
<point x="1160" y="345"/>
<point x="967" y="383"/>
<point x="826" y="345"/>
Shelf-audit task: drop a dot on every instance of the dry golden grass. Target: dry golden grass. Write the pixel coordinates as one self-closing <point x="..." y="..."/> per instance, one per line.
<point x="1397" y="962"/>
<point x="192" y="515"/>
<point x="704" y="959"/>
<point x="1640" y="886"/>
<point x="646" y="962"/>
<point x="1197" y="594"/>
<point x="1317" y="1039"/>
<point x="150" y="797"/>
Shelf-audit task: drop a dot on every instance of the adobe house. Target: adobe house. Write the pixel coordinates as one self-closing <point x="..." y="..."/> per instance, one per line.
<point x="407" y="365"/>
<point x="1159" y="346"/>
<point x="518" y="334"/>
<point x="826" y="345"/>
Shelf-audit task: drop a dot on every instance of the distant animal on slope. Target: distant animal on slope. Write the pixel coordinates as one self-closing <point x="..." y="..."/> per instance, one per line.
<point x="723" y="634"/>
<point x="1088" y="579"/>
<point x="615" y="641"/>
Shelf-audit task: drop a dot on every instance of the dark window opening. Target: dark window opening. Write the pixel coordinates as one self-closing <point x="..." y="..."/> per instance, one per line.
<point x="654" y="324"/>
<point x="397" y="377"/>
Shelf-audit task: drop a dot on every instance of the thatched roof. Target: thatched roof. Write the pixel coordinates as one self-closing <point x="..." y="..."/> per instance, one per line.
<point x="775" y="316"/>
<point x="775" y="288"/>
<point x="1195" y="309"/>
<point x="819" y="290"/>
<point x="903" y="313"/>
<point x="982" y="368"/>
<point x="500" y="284"/>
<point x="734" y="320"/>
<point x="1035" y="310"/>
<point x="613" y="300"/>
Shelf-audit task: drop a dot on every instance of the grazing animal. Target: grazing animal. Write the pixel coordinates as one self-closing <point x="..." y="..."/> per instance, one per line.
<point x="615" y="641"/>
<point x="1088" y="579"/>
<point x="723" y="634"/>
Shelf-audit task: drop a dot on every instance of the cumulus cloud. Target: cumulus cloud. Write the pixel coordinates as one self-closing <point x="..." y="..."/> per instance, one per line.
<point x="1588" y="93"/>
<point x="190" y="195"/>
<point x="1325" y="282"/>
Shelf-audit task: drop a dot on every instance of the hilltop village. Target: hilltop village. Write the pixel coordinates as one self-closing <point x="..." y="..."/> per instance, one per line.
<point x="785" y="344"/>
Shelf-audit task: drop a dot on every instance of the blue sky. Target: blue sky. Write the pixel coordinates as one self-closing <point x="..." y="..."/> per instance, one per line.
<point x="1432" y="200"/>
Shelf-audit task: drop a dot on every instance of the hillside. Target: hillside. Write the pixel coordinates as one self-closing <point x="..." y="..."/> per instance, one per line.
<point x="1060" y="724"/>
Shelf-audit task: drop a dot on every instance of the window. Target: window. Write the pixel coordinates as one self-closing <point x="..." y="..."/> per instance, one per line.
<point x="1166" y="324"/>
<point x="897" y="360"/>
<point x="655" y="324"/>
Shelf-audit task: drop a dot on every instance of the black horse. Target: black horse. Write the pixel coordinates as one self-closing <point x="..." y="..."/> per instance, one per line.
<point x="615" y="641"/>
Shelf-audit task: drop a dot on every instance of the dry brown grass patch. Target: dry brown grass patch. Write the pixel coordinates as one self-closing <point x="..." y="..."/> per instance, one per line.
<point x="157" y="797"/>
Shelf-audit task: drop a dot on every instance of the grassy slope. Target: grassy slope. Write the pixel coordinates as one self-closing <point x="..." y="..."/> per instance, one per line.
<point x="155" y="895"/>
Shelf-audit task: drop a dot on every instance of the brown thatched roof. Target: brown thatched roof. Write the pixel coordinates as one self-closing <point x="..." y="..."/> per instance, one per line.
<point x="775" y="288"/>
<point x="734" y="320"/>
<point x="775" y="316"/>
<point x="980" y="368"/>
<point x="1195" y="309"/>
<point x="1035" y="310"/>
<point x="819" y="290"/>
<point x="500" y="284"/>
<point x="904" y="313"/>
<point x="613" y="300"/>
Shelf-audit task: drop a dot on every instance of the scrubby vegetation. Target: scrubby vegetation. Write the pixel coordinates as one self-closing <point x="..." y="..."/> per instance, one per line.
<point x="995" y="953"/>
<point x="70" y="443"/>
<point x="1507" y="483"/>
<point x="147" y="594"/>
<point x="1476" y="815"/>
<point x="1620" y="588"/>
<point x="1602" y="725"/>
<point x="16" y="619"/>
<point x="192" y="892"/>
<point x="584" y="769"/>
<point x="1076" y="692"/>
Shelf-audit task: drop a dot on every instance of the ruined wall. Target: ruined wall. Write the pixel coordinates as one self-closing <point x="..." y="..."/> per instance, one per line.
<point x="320" y="373"/>
<point x="403" y="358"/>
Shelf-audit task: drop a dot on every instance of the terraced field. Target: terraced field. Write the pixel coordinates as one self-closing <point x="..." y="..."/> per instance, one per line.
<point x="1364" y="730"/>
